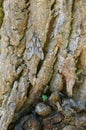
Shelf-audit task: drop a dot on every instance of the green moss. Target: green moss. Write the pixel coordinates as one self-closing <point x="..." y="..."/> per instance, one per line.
<point x="1" y="12"/>
<point x="1" y="15"/>
<point x="1" y="2"/>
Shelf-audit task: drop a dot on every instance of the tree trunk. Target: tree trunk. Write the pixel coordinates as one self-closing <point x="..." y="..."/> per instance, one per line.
<point x="42" y="55"/>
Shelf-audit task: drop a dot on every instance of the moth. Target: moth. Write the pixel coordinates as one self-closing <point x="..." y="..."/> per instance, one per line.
<point x="34" y="47"/>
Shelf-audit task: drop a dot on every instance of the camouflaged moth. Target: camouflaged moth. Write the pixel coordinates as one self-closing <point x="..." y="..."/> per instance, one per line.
<point x="34" y="47"/>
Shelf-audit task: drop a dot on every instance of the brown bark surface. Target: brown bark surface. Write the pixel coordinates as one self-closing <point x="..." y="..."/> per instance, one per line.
<point x="42" y="53"/>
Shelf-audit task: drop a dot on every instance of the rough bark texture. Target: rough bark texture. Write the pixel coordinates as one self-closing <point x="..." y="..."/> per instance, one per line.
<point x="42" y="50"/>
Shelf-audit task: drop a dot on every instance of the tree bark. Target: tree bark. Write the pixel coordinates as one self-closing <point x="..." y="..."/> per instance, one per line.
<point x="42" y="45"/>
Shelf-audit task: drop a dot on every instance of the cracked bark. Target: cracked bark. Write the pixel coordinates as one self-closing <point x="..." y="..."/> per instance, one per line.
<point x="60" y="26"/>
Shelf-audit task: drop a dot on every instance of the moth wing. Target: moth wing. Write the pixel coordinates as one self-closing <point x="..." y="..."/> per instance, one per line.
<point x="30" y="50"/>
<point x="40" y="54"/>
<point x="39" y="51"/>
